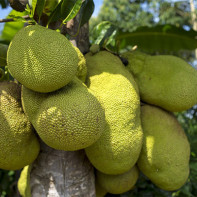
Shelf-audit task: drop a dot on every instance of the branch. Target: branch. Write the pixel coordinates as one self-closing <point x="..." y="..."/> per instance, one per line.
<point x="12" y="19"/>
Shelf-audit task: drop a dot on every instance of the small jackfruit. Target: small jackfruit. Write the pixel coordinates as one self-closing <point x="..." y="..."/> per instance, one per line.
<point x="164" y="80"/>
<point x="165" y="154"/>
<point x="41" y="59"/>
<point x="119" y="146"/>
<point x="118" y="184"/>
<point x="24" y="182"/>
<point x="68" y="119"/>
<point x="18" y="144"/>
<point x="81" y="68"/>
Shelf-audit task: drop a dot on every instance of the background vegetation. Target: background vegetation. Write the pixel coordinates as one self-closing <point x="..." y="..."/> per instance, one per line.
<point x="149" y="25"/>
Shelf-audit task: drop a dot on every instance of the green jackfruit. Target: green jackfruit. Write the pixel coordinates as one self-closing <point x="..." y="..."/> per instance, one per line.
<point x="164" y="80"/>
<point x="81" y="68"/>
<point x="118" y="184"/>
<point x="100" y="192"/>
<point x="165" y="153"/>
<point x="41" y="59"/>
<point x="18" y="144"/>
<point x="120" y="144"/>
<point x="68" y="119"/>
<point x="24" y="182"/>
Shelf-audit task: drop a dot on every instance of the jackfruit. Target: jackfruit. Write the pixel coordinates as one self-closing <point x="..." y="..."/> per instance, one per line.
<point x="164" y="80"/>
<point x="120" y="144"/>
<point x="68" y="119"/>
<point x="100" y="192"/>
<point x="166" y="151"/>
<point x="41" y="59"/>
<point x="81" y="68"/>
<point x="18" y="144"/>
<point x="118" y="184"/>
<point x="24" y="182"/>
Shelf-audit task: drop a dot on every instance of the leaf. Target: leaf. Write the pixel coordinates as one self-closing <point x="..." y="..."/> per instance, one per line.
<point x="70" y="9"/>
<point x="11" y="28"/>
<point x="56" y="14"/>
<point x="102" y="33"/>
<point x="32" y="5"/>
<point x="86" y="11"/>
<point x="159" y="38"/>
<point x="40" y="7"/>
<point x="3" y="54"/>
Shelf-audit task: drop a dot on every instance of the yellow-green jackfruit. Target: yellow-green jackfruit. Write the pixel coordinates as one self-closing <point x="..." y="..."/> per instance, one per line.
<point x="100" y="192"/>
<point x="120" y="144"/>
<point x="164" y="80"/>
<point x="118" y="184"/>
<point x="166" y="151"/>
<point x="18" y="144"/>
<point x="81" y="68"/>
<point x="24" y="182"/>
<point x="68" y="119"/>
<point x="41" y="59"/>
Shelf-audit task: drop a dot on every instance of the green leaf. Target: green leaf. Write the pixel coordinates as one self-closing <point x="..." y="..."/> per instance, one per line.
<point x="40" y="7"/>
<point x="56" y="14"/>
<point x="32" y="5"/>
<point x="159" y="38"/>
<point x="69" y="9"/>
<point x="3" y="54"/>
<point x="11" y="28"/>
<point x="102" y="34"/>
<point x="86" y="11"/>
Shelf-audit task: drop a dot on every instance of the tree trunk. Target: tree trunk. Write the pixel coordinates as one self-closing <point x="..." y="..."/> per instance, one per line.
<point x="64" y="173"/>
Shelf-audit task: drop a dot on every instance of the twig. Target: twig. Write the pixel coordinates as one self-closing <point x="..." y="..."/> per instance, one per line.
<point x="12" y="19"/>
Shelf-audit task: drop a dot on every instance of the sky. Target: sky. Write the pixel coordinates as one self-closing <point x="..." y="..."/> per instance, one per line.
<point x="5" y="12"/>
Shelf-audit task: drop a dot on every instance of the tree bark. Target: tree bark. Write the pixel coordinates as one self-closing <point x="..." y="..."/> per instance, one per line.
<point x="64" y="173"/>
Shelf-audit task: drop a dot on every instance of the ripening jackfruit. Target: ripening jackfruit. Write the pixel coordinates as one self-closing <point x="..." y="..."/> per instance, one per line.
<point x="24" y="182"/>
<point x="164" y="80"/>
<point x="18" y="144"/>
<point x="120" y="144"/>
<point x="81" y="68"/>
<point x="41" y="59"/>
<point x="118" y="184"/>
<point x="68" y="119"/>
<point x="165" y="153"/>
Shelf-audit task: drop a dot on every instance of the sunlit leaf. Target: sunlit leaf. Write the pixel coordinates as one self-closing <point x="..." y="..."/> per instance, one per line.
<point x="11" y="28"/>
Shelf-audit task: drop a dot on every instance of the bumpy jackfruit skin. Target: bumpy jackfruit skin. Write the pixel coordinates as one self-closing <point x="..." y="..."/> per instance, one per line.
<point x="81" y="68"/>
<point x="164" y="80"/>
<point x="166" y="151"/>
<point x="118" y="184"/>
<point x="119" y="146"/>
<point x="41" y="59"/>
<point x="100" y="191"/>
<point x="18" y="144"/>
<point x="68" y="119"/>
<point x="24" y="182"/>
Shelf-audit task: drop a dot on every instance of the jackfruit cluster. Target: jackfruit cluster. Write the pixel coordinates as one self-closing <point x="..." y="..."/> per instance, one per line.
<point x="92" y="102"/>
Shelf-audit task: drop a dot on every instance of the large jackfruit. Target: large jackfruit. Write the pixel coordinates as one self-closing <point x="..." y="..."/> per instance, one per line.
<point x="119" y="146"/>
<point x="81" y="68"/>
<point x="41" y="59"/>
<point x="68" y="119"/>
<point x="164" y="80"/>
<point x="118" y="184"/>
<point x="18" y="144"/>
<point x="165" y="153"/>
